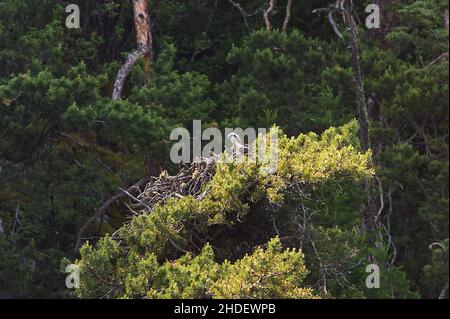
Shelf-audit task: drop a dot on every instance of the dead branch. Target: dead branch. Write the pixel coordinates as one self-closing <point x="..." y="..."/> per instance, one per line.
<point x="388" y="227"/>
<point x="334" y="25"/>
<point x="345" y="7"/>
<point x="125" y="70"/>
<point x="102" y="209"/>
<point x="321" y="266"/>
<point x="444" y="56"/>
<point x="242" y="11"/>
<point x="330" y="14"/>
<point x="16" y="219"/>
<point x="268" y="13"/>
<point x="144" y="46"/>
<point x="380" y="210"/>
<point x="363" y="117"/>
<point x="288" y="15"/>
<point x="181" y="250"/>
<point x="134" y="198"/>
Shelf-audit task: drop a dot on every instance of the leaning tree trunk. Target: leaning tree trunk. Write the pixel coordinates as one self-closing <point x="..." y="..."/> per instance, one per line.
<point x="372" y="209"/>
<point x="144" y="46"/>
<point x="287" y="18"/>
<point x="144" y="49"/>
<point x="267" y="13"/>
<point x="363" y="117"/>
<point x="371" y="206"/>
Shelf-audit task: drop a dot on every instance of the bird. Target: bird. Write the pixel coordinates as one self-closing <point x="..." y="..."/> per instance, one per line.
<point x="237" y="147"/>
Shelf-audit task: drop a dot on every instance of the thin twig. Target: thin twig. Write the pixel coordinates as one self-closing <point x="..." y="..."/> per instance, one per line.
<point x="102" y="209"/>
<point x="242" y="11"/>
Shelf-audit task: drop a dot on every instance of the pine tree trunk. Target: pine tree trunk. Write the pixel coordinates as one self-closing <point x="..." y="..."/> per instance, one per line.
<point x="144" y="46"/>
<point x="371" y="206"/>
<point x="363" y="117"/>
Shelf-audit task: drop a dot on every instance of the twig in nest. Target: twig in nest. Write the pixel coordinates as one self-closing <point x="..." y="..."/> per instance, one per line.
<point x="189" y="181"/>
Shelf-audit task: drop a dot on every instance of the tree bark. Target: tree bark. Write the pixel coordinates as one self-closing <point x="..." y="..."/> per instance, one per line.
<point x="268" y="13"/>
<point x="345" y="8"/>
<point x="371" y="206"/>
<point x="363" y="117"/>
<point x="288" y="15"/>
<point x="144" y="49"/>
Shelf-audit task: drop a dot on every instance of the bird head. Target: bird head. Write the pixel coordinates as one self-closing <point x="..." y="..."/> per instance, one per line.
<point x="234" y="138"/>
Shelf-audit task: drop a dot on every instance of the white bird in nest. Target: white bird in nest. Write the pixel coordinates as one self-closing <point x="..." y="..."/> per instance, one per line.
<point x="237" y="147"/>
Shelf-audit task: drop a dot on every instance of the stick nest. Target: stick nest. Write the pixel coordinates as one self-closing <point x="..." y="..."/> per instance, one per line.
<point x="189" y="181"/>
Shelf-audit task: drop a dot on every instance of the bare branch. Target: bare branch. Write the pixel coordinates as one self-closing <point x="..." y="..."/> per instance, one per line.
<point x="334" y="25"/>
<point x="363" y="117"/>
<point x="124" y="71"/>
<point x="330" y="13"/>
<point x="242" y="11"/>
<point x="268" y="13"/>
<point x="380" y="210"/>
<point x="144" y="46"/>
<point x="134" y="198"/>
<point x="321" y="266"/>
<point x="102" y="209"/>
<point x="16" y="219"/>
<point x="288" y="15"/>
<point x="181" y="250"/>
<point x="443" y="57"/>
<point x="346" y="7"/>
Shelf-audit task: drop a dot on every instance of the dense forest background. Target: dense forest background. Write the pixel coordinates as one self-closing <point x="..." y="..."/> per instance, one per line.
<point x="67" y="148"/>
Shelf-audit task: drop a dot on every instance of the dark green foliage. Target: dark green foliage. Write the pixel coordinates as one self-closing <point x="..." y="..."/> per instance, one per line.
<point x="274" y="82"/>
